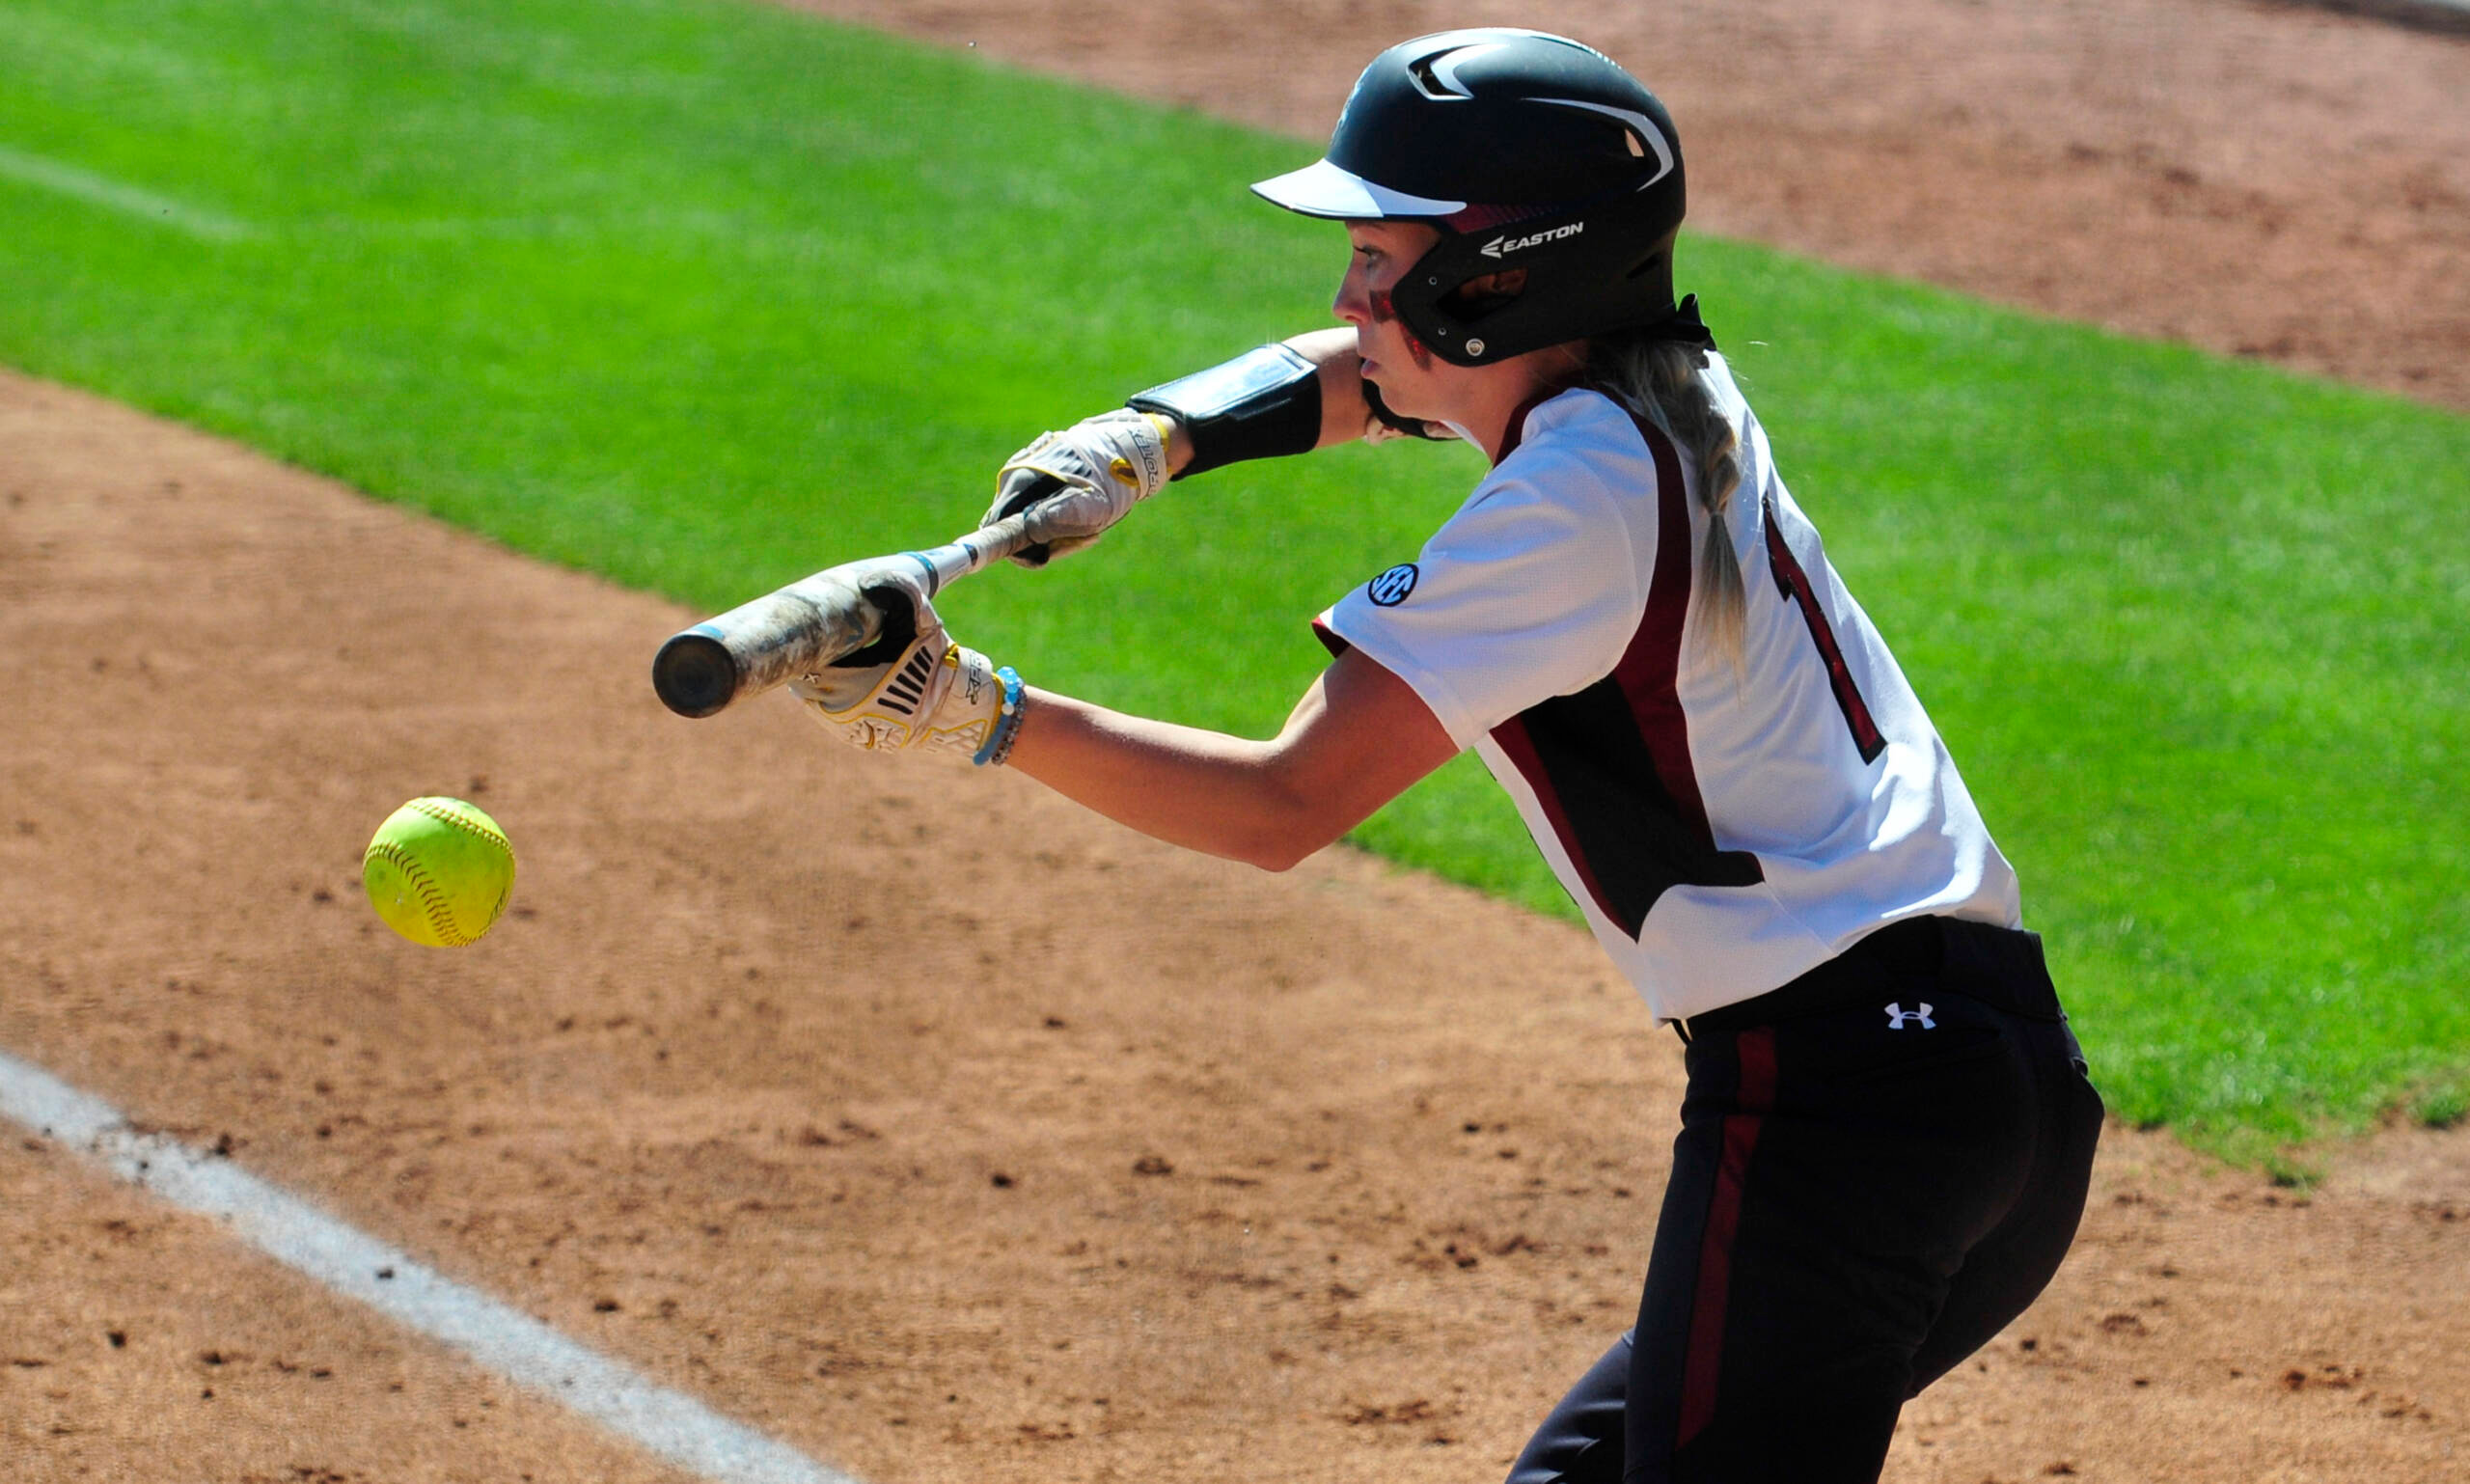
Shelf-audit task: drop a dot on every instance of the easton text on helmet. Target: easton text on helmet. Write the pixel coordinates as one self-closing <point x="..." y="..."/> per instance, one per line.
<point x="1506" y="244"/>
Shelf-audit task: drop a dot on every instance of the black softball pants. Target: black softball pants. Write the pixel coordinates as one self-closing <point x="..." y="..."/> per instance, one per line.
<point x="1880" y="1165"/>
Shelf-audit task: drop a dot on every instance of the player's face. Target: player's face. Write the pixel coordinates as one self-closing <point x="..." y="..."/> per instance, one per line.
<point x="1393" y="359"/>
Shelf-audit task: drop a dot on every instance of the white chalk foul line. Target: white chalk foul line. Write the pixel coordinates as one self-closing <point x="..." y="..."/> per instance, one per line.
<point x="118" y="196"/>
<point x="512" y="1344"/>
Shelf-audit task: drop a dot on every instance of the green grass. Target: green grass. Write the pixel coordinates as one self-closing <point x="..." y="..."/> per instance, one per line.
<point x="703" y="296"/>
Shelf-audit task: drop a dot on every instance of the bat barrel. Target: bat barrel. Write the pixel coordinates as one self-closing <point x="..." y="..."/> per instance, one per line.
<point x="695" y="672"/>
<point x="778" y="636"/>
<point x="810" y="623"/>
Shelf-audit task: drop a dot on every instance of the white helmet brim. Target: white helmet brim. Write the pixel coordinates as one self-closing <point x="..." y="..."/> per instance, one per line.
<point x="1325" y="189"/>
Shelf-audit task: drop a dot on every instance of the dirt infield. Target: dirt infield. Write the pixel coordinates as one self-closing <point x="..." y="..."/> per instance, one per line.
<point x="787" y="1084"/>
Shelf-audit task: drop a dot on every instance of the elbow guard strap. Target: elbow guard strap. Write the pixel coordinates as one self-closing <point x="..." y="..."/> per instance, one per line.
<point x="1265" y="404"/>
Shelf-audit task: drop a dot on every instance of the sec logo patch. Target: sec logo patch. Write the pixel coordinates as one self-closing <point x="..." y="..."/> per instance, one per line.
<point x="1390" y="588"/>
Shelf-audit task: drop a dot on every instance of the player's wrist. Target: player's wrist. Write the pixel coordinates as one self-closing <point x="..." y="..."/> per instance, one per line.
<point x="1179" y="442"/>
<point x="1012" y="705"/>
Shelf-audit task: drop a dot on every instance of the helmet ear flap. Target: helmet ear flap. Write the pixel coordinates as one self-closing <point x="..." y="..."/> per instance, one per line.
<point x="1584" y="274"/>
<point x="1499" y="290"/>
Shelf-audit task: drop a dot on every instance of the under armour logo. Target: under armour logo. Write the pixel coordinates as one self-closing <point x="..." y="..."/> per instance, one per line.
<point x="1897" y="1015"/>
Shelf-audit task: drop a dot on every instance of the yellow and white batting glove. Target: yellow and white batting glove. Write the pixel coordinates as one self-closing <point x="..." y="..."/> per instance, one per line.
<point x="932" y="696"/>
<point x="1083" y="479"/>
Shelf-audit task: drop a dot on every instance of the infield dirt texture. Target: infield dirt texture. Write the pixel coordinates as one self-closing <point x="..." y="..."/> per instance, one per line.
<point x="786" y="1080"/>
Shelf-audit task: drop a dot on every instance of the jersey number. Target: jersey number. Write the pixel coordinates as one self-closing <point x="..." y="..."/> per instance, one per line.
<point x="1793" y="584"/>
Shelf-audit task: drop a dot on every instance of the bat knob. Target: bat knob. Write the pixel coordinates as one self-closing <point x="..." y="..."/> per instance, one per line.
<point x="695" y="673"/>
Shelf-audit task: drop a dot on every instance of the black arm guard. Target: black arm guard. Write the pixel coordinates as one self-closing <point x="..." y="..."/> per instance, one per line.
<point x="1265" y="404"/>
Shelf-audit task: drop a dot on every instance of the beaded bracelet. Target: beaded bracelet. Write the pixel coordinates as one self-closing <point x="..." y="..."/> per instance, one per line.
<point x="1007" y="725"/>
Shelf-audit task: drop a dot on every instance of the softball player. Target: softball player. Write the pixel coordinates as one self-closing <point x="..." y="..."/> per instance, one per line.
<point x="1888" y="1131"/>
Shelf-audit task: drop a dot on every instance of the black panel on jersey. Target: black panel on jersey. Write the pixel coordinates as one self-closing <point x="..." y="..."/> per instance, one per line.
<point x="1623" y="825"/>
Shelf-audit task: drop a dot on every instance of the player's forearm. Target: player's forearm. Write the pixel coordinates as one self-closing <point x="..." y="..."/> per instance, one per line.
<point x="1344" y="413"/>
<point x="1334" y="386"/>
<point x="1199" y="790"/>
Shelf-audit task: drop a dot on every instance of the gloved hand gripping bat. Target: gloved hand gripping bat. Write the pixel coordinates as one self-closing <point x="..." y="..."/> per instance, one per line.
<point x="817" y="620"/>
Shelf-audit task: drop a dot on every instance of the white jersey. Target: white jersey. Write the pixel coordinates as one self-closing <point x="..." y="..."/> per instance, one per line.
<point x="1723" y="829"/>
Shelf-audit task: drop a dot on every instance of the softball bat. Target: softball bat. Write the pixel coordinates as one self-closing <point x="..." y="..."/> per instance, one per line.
<point x="704" y="670"/>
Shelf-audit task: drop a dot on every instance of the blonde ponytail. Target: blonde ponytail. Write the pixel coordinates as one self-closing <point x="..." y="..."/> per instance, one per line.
<point x="1666" y="382"/>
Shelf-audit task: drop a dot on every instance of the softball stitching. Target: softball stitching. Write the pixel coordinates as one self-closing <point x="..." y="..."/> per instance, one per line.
<point x="447" y="816"/>
<point x="441" y="918"/>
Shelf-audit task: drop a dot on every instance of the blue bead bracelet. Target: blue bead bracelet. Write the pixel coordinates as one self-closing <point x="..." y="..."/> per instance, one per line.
<point x="1007" y="725"/>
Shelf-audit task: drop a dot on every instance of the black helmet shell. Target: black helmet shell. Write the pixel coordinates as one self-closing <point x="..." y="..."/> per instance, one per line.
<point x="1479" y="131"/>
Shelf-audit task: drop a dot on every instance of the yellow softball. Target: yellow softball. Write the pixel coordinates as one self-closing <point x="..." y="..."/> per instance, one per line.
<point x="438" y="871"/>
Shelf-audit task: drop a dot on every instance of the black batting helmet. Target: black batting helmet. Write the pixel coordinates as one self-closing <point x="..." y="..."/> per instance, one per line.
<point x="1526" y="150"/>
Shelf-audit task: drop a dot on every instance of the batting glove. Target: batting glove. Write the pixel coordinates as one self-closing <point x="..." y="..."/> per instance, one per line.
<point x="931" y="695"/>
<point x="1083" y="479"/>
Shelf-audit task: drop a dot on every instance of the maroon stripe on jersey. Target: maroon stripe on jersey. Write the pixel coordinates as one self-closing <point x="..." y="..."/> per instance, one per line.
<point x="1795" y="583"/>
<point x="1650" y="669"/>
<point x="1330" y="637"/>
<point x="1610" y="765"/>
<point x="1511" y="737"/>
<point x="1516" y="433"/>
<point x="1702" y="1365"/>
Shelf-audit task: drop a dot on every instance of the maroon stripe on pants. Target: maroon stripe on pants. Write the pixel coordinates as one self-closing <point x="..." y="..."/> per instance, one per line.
<point x="1704" y="1359"/>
